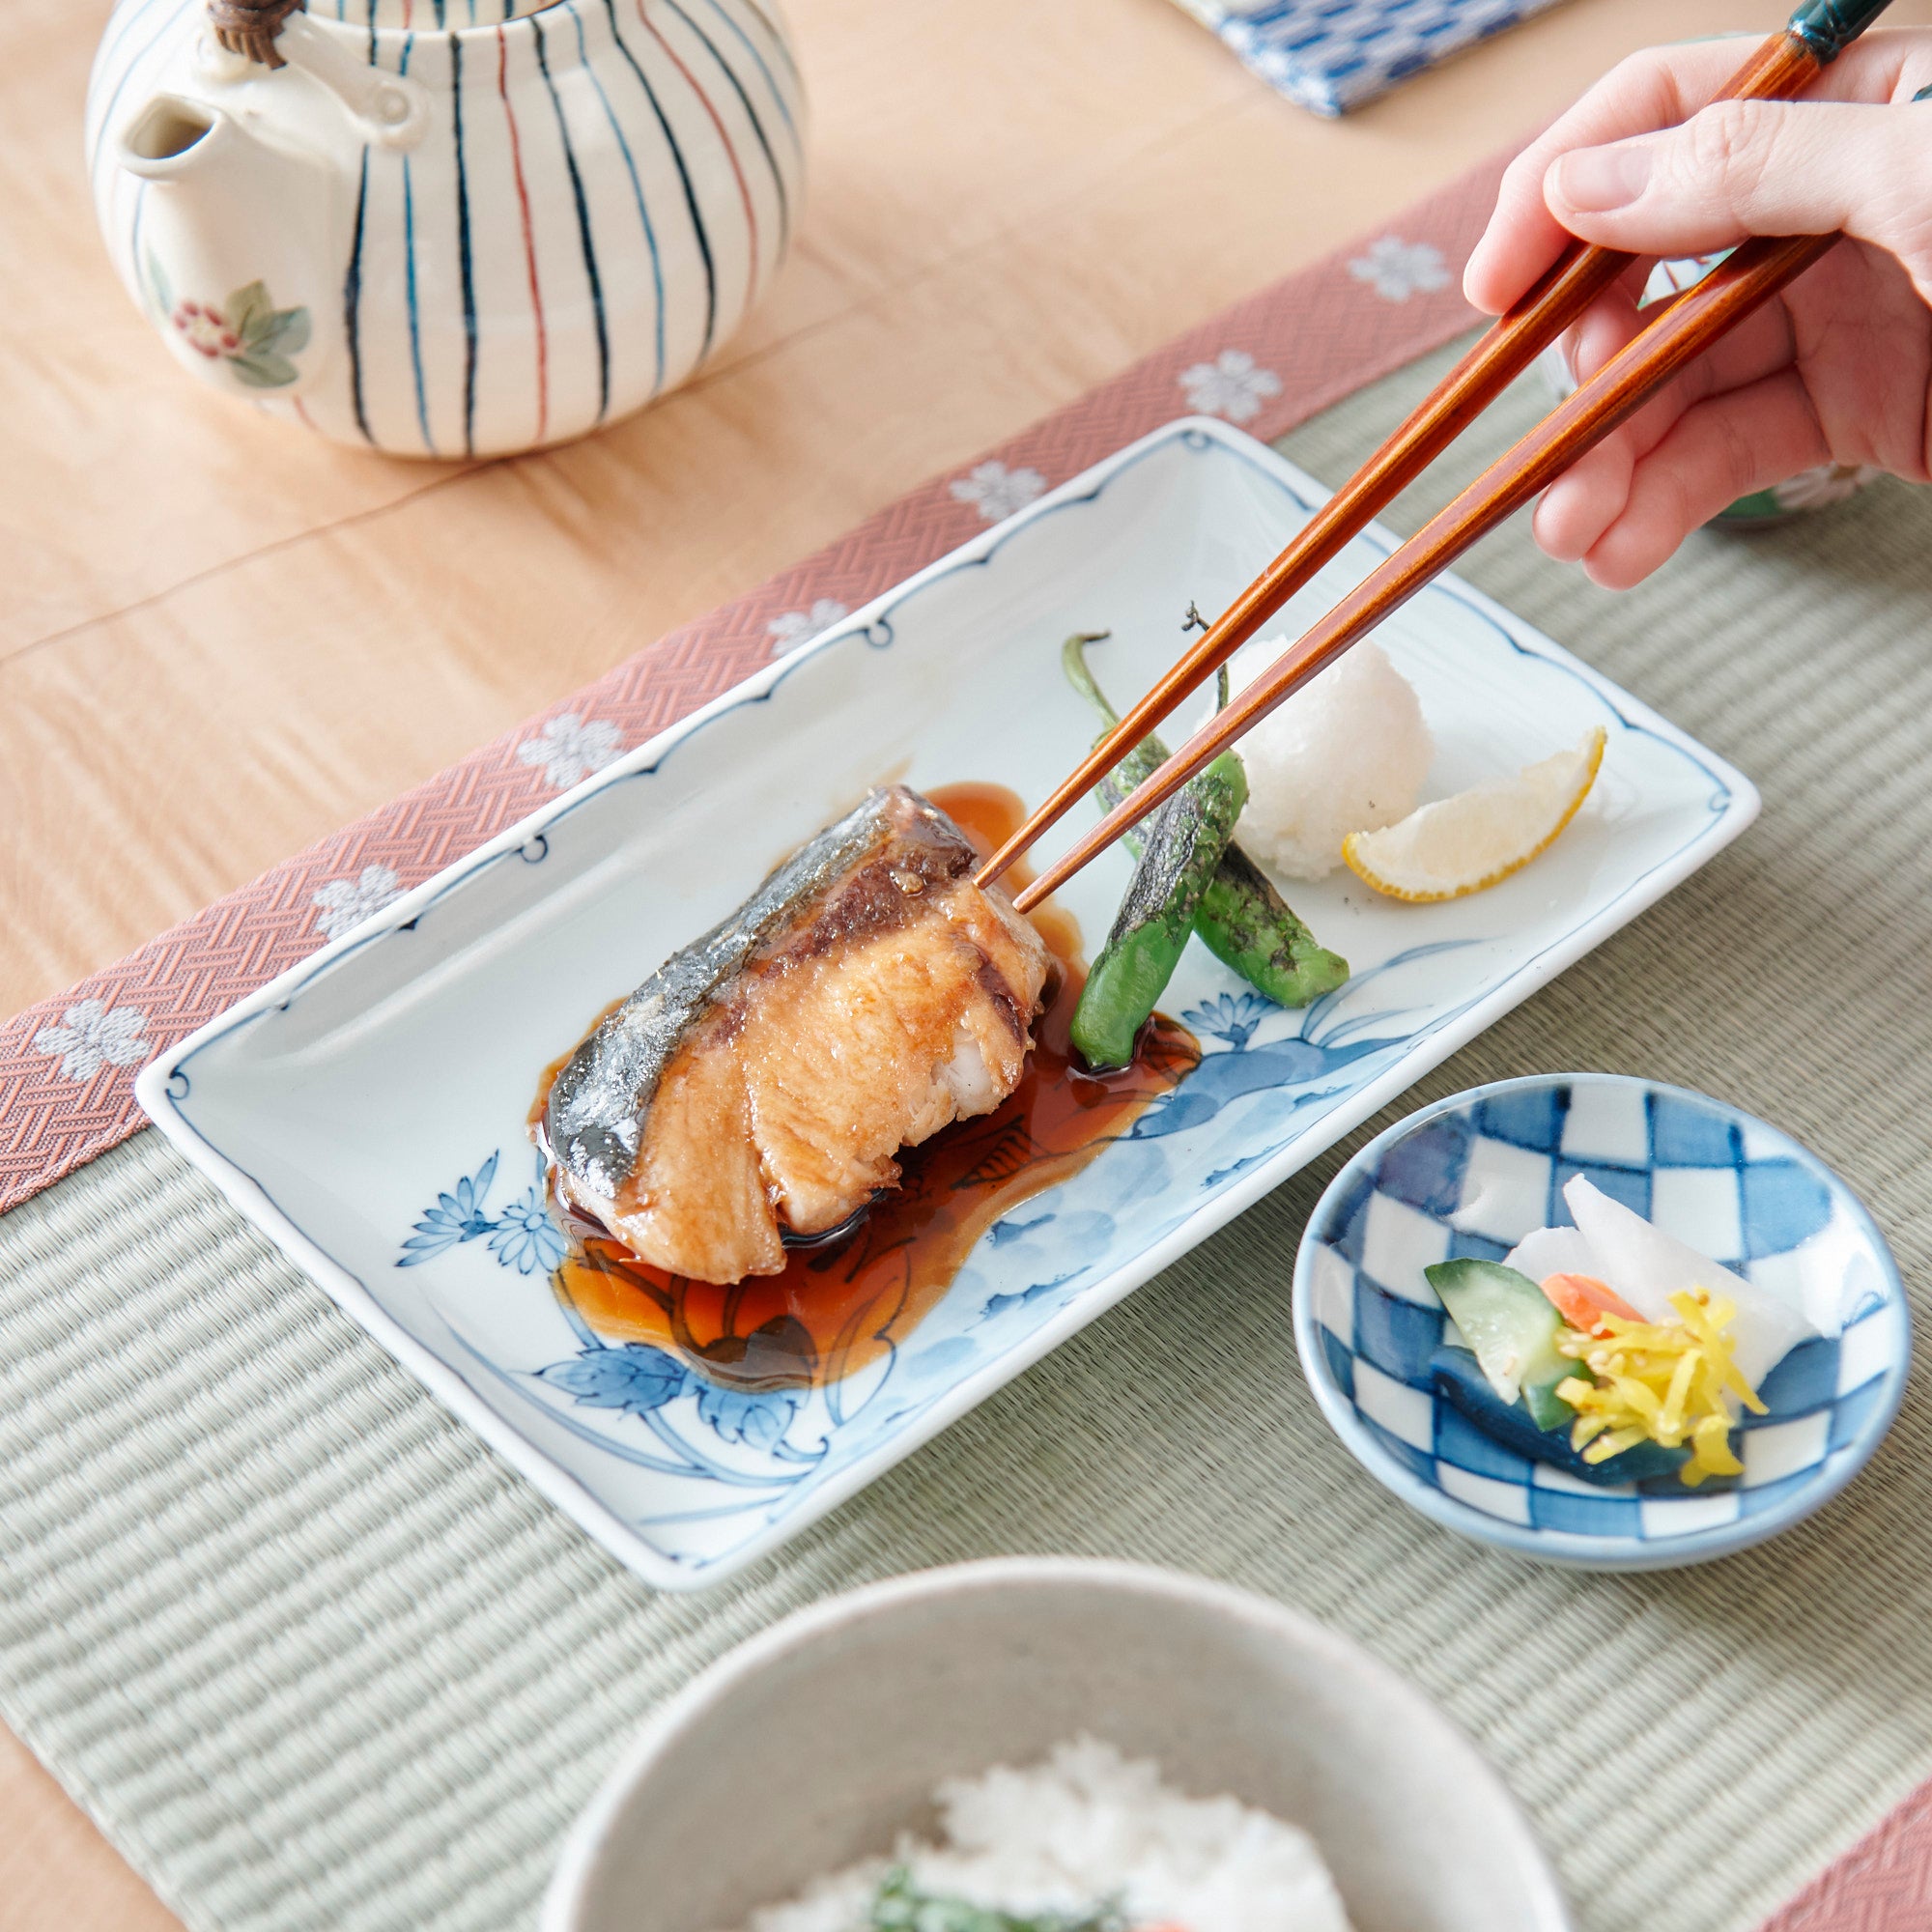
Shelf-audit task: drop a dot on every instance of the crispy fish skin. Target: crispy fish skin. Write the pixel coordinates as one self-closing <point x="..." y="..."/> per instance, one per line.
<point x="760" y="1082"/>
<point x="594" y="1118"/>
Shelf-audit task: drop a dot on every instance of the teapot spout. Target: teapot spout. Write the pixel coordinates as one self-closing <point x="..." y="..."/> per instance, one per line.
<point x="234" y="242"/>
<point x="173" y="137"/>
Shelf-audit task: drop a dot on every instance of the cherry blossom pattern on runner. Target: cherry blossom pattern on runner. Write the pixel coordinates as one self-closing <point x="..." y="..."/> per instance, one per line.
<point x="90" y="1036"/>
<point x="343" y="903"/>
<point x="790" y="629"/>
<point x="1233" y="385"/>
<point x="1397" y="269"/>
<point x="570" y="747"/>
<point x="996" y="492"/>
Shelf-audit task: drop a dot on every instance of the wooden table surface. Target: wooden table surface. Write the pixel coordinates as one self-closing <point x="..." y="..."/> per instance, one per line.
<point x="220" y="641"/>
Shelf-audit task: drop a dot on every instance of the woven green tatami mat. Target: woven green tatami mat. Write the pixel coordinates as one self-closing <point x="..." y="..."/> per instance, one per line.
<point x="316" y="1659"/>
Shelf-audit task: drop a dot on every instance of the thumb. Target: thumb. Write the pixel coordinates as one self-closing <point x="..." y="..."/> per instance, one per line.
<point x="1750" y="167"/>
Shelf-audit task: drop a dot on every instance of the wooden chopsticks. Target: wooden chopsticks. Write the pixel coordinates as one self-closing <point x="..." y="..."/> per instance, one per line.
<point x="1684" y="331"/>
<point x="1782" y="67"/>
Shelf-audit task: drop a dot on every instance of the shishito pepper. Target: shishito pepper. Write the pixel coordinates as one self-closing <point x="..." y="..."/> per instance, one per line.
<point x="1246" y="924"/>
<point x="1243" y="920"/>
<point x="1185" y="841"/>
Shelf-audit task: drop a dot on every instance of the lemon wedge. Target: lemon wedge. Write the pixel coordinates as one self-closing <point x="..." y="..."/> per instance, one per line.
<point x="1460" y="845"/>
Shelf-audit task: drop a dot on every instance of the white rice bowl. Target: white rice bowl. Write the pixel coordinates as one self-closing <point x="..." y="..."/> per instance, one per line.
<point x="1347" y="752"/>
<point x="817" y="1745"/>
<point x="1086" y="1829"/>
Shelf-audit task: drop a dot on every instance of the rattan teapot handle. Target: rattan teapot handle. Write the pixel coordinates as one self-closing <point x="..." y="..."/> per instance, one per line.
<point x="251" y="27"/>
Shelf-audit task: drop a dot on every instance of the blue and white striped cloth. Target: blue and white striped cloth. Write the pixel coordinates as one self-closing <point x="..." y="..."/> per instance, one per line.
<point x="1332" y="55"/>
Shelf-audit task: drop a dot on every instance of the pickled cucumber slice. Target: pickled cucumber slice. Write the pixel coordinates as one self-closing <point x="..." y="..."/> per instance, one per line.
<point x="1512" y="1328"/>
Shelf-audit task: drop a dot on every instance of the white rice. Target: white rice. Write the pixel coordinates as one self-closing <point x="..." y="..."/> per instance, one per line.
<point x="1089" y="1827"/>
<point x="1349" y="753"/>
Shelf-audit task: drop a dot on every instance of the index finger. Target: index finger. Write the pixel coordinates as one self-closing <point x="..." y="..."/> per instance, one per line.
<point x="1651" y="90"/>
<point x="1656" y="89"/>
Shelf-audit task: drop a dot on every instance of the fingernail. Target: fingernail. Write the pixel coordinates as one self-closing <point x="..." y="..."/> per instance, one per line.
<point x="1596" y="180"/>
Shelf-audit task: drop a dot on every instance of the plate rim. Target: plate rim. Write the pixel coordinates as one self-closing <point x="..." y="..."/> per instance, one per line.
<point x="1573" y="1549"/>
<point x="153" y="1086"/>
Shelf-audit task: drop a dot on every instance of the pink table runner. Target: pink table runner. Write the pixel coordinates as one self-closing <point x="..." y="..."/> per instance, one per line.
<point x="67" y="1065"/>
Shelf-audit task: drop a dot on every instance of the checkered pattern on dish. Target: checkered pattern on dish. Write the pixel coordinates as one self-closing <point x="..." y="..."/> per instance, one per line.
<point x="1474" y="1181"/>
<point x="1331" y="55"/>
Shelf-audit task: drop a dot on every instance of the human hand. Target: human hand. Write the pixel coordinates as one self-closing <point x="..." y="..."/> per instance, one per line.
<point x="1837" y="369"/>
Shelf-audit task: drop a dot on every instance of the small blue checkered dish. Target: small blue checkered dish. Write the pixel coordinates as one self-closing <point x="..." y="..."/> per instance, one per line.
<point x="1471" y="1175"/>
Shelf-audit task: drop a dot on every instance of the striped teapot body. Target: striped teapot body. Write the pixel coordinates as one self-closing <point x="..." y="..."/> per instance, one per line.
<point x="449" y="228"/>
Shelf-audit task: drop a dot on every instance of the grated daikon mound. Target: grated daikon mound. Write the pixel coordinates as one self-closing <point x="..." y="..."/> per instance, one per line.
<point x="1347" y="752"/>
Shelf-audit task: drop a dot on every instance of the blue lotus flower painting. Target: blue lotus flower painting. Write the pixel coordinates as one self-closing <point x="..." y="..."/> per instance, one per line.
<point x="632" y="1379"/>
<point x="1230" y="1017"/>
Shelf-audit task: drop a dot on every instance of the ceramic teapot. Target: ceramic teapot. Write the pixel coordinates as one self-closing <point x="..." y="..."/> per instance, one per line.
<point x="446" y="228"/>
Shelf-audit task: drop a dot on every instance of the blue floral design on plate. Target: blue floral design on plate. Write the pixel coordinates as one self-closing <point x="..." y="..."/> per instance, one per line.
<point x="1471" y="1175"/>
<point x="631" y="1378"/>
<point x="1228" y="1017"/>
<point x="635" y="1379"/>
<point x="678" y="1418"/>
<point x="522" y="1237"/>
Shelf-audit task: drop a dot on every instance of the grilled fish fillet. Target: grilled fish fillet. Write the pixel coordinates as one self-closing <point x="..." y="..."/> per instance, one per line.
<point x="760" y="1082"/>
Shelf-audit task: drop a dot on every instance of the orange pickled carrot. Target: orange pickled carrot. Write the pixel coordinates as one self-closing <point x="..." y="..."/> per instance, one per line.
<point x="1583" y="1300"/>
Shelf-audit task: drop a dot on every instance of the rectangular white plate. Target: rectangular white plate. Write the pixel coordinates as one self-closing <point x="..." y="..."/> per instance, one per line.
<point x="375" y="1095"/>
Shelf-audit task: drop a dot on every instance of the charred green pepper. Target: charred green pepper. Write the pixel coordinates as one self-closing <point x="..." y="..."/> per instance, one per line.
<point x="1183" y="844"/>
<point x="1242" y="918"/>
<point x="1246" y="924"/>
